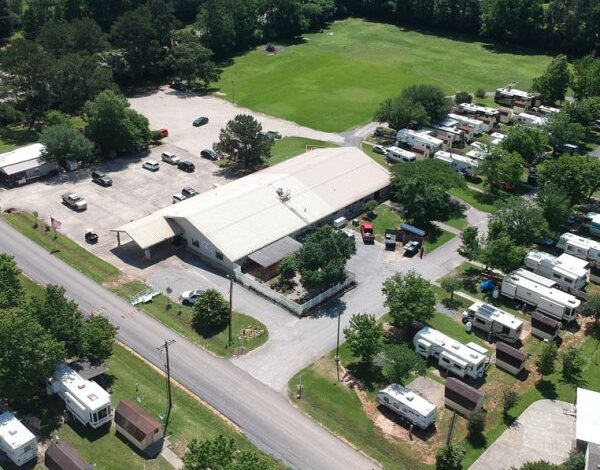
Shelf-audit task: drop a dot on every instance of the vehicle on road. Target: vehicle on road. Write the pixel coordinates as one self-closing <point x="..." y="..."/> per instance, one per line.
<point x="411" y="247"/>
<point x="101" y="178"/>
<point x="200" y="121"/>
<point x="178" y="197"/>
<point x="209" y="154"/>
<point x="379" y="149"/>
<point x="74" y="201"/>
<point x="151" y="165"/>
<point x="366" y="231"/>
<point x="189" y="297"/>
<point x="186" y="166"/>
<point x="188" y="192"/>
<point x="171" y="158"/>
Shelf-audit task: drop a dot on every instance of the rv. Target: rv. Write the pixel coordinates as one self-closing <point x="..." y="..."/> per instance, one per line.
<point x="419" y="140"/>
<point x="447" y="127"/>
<point x="476" y="124"/>
<point x="566" y="270"/>
<point x="397" y="155"/>
<point x="410" y="406"/>
<point x="531" y="120"/>
<point x="460" y="163"/>
<point x="508" y="96"/>
<point x="541" y="293"/>
<point x="498" y="323"/>
<point x="546" y="110"/>
<point x="496" y="138"/>
<point x="85" y="400"/>
<point x="582" y="248"/>
<point x="591" y="221"/>
<point x="16" y="441"/>
<point x="463" y="360"/>
<point x="478" y="110"/>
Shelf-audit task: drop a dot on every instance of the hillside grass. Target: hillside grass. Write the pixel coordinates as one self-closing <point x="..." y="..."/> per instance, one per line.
<point x="290" y="147"/>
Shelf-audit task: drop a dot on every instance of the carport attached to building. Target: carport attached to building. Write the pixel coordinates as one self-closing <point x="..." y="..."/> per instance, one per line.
<point x="149" y="232"/>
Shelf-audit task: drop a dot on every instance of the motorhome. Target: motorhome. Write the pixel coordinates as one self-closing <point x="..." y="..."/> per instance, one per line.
<point x="531" y="120"/>
<point x="85" y="400"/>
<point x="540" y="293"/>
<point x="546" y="110"/>
<point x="591" y="221"/>
<point x="582" y="248"/>
<point x="497" y="323"/>
<point x="16" y="441"/>
<point x="399" y="155"/>
<point x="478" y="110"/>
<point x="476" y="124"/>
<point x="460" y="163"/>
<point x="566" y="270"/>
<point x="460" y="359"/>
<point x="448" y="128"/>
<point x="419" y="140"/>
<point x="410" y="406"/>
<point x="508" y="96"/>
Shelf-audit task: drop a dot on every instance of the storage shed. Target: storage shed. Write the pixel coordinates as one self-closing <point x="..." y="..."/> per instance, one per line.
<point x="510" y="359"/>
<point x="544" y="327"/>
<point x="461" y="397"/>
<point x="60" y="456"/>
<point x="263" y="263"/>
<point x="138" y="427"/>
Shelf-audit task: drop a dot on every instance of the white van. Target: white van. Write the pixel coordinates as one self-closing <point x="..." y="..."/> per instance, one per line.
<point x="178" y="197"/>
<point x="169" y="157"/>
<point x="399" y="155"/>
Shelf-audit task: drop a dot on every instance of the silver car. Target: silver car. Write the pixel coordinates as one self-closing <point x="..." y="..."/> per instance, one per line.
<point x="189" y="297"/>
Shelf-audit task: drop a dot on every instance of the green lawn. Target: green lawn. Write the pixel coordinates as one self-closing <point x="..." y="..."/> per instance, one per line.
<point x="63" y="247"/>
<point x="178" y="318"/>
<point x="437" y="239"/>
<point x="368" y="149"/>
<point x="387" y="218"/>
<point x="334" y="80"/>
<point x="480" y="201"/>
<point x="12" y="137"/>
<point x="289" y="147"/>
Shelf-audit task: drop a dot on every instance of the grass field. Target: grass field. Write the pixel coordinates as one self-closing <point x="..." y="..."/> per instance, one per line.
<point x="289" y="147"/>
<point x="12" y="137"/>
<point x="334" y="80"/>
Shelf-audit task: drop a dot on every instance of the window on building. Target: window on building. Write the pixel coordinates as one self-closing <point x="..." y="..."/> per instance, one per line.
<point x="219" y="256"/>
<point x="195" y="243"/>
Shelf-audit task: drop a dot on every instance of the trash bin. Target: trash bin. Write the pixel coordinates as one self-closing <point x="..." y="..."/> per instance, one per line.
<point x="468" y="326"/>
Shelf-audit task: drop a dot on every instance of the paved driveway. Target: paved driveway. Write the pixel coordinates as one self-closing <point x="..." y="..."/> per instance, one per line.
<point x="545" y="431"/>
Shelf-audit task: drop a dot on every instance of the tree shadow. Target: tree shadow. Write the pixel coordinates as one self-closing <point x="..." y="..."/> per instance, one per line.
<point x="547" y="389"/>
<point x="18" y="135"/>
<point x="367" y="373"/>
<point x="208" y="333"/>
<point x="477" y="441"/>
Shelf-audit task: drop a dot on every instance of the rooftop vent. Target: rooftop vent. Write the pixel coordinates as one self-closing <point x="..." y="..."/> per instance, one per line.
<point x="283" y="194"/>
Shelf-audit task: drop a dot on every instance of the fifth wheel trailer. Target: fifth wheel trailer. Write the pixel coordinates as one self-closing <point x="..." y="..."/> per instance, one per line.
<point x="410" y="406"/>
<point x="582" y="248"/>
<point x="496" y="322"/>
<point x="566" y="270"/>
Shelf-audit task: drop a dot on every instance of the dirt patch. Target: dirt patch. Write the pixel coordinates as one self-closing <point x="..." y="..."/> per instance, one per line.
<point x="121" y="280"/>
<point x="251" y="332"/>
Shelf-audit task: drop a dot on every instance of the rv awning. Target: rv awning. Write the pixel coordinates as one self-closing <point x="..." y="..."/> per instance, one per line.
<point x="410" y="228"/>
<point x="150" y="230"/>
<point x="275" y="252"/>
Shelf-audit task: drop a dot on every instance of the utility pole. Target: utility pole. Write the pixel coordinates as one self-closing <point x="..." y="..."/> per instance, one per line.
<point x="165" y="347"/>
<point x="337" y="348"/>
<point x="233" y="92"/>
<point x="230" y="306"/>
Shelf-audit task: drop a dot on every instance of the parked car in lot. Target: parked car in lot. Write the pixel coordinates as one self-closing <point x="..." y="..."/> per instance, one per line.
<point x="151" y="165"/>
<point x="187" y="166"/>
<point x="189" y="297"/>
<point x="189" y="192"/>
<point x="411" y="247"/>
<point x="200" y="121"/>
<point x="178" y="197"/>
<point x="170" y="158"/>
<point x="74" y="201"/>
<point x="90" y="236"/>
<point x="101" y="178"/>
<point x="209" y="154"/>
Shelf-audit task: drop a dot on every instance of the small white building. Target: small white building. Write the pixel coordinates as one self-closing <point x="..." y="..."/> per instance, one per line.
<point x="582" y="248"/>
<point x="87" y="401"/>
<point x="16" y="441"/>
<point x="591" y="221"/>
<point x="419" y="140"/>
<point x="399" y="155"/>
<point x="531" y="120"/>
<point x="409" y="405"/>
<point x="460" y="163"/>
<point x="496" y="322"/>
<point x="24" y="164"/>
<point x="540" y="293"/>
<point x="566" y="270"/>
<point x="476" y="124"/>
<point x="460" y="359"/>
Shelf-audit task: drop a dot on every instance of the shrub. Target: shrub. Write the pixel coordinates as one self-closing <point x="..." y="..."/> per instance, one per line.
<point x="463" y="97"/>
<point x="476" y="423"/>
<point x="450" y="457"/>
<point x="509" y="399"/>
<point x="211" y="312"/>
<point x="480" y="93"/>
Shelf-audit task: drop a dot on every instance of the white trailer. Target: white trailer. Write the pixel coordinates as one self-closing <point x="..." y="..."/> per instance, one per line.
<point x="492" y="320"/>
<point x="591" y="221"/>
<point x="531" y="120"/>
<point x="448" y="128"/>
<point x="410" y="406"/>
<point x="419" y="140"/>
<point x="16" y="441"/>
<point x="509" y="95"/>
<point x="460" y="359"/>
<point x="566" y="270"/>
<point x="582" y="248"/>
<point x="85" y="400"/>
<point x="541" y="293"/>
<point x="546" y="110"/>
<point x="400" y="155"/>
<point x="478" y="110"/>
<point x="476" y="124"/>
<point x="460" y="163"/>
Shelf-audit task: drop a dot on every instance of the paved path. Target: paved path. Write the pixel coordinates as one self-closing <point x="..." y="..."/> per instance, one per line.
<point x="545" y="431"/>
<point x="265" y="416"/>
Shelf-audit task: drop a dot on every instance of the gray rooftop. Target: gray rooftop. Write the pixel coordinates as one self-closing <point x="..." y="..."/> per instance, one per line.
<point x="271" y="254"/>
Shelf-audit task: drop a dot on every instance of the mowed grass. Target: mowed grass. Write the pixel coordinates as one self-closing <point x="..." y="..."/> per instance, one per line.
<point x="334" y="80"/>
<point x="12" y="137"/>
<point x="289" y="147"/>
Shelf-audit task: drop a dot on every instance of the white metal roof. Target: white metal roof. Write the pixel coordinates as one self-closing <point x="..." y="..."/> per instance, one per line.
<point x="451" y="346"/>
<point x="565" y="264"/>
<point x="537" y="283"/>
<point x="409" y="399"/>
<point x="420" y="136"/>
<point x="151" y="230"/>
<point x="527" y="118"/>
<point x="587" y="427"/>
<point x="549" y="109"/>
<point x="515" y="92"/>
<point x="21" y="155"/>
<point x="252" y="212"/>
<point x="89" y="393"/>
<point x="494" y="313"/>
<point x="580" y="242"/>
<point x="450" y="157"/>
<point x="401" y="152"/>
<point x="475" y="108"/>
<point x="12" y="432"/>
<point x="465" y="120"/>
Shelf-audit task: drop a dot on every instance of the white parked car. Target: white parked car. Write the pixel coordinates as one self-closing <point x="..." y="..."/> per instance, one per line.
<point x="74" y="201"/>
<point x="150" y="165"/>
<point x="170" y="158"/>
<point x="379" y="149"/>
<point x="178" y="197"/>
<point x="189" y="297"/>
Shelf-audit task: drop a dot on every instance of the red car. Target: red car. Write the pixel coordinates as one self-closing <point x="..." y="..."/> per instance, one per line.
<point x="164" y="132"/>
<point x="366" y="231"/>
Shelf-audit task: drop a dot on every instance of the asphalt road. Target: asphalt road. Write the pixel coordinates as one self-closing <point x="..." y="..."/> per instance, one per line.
<point x="265" y="416"/>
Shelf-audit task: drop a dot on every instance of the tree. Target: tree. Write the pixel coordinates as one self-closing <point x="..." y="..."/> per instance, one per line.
<point x="216" y="20"/>
<point x="591" y="308"/>
<point x="556" y="206"/>
<point x="221" y="453"/>
<point x="517" y="21"/>
<point x="463" y="97"/>
<point x="190" y="60"/>
<point x="11" y="291"/>
<point x="584" y="111"/>
<point x="538" y="465"/>
<point x="520" y="219"/>
<point x="9" y="114"/>
<point x="242" y="139"/>
<point x="572" y="364"/>
<point x="97" y="339"/>
<point x="470" y="246"/>
<point x="113" y="125"/>
<point x="576" y="461"/>
<point x="432" y="98"/>
<point x="500" y="167"/>
<point x="322" y="259"/>
<point x="409" y="297"/>
<point x="528" y="142"/>
<point x="502" y="253"/>
<point x="451" y="284"/>
<point x="399" y="112"/>
<point x="63" y="143"/>
<point x="400" y="362"/>
<point x="509" y="399"/>
<point x="450" y="457"/>
<point x="586" y="77"/>
<point x="87" y="37"/>
<point x="422" y="201"/>
<point x="561" y="130"/>
<point x="286" y="268"/>
<point x="211" y="312"/>
<point x="284" y="18"/>
<point x="6" y="26"/>
<point x="434" y="171"/>
<point x="364" y="336"/>
<point x="546" y="359"/>
<point x="555" y="80"/>
<point x="574" y="175"/>
<point x="476" y="423"/>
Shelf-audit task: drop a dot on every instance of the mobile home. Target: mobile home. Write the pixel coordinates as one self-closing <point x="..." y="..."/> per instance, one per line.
<point x="460" y="163"/>
<point x="582" y="248"/>
<point x="591" y="221"/>
<point x="476" y="124"/>
<point x="410" y="406"/>
<point x="419" y="140"/>
<point x="541" y="293"/>
<point x="492" y="320"/>
<point x="399" y="155"/>
<point x="85" y="400"/>
<point x="566" y="270"/>
<point x="460" y="359"/>
<point x="531" y="120"/>
<point x="16" y="441"/>
<point x="508" y="96"/>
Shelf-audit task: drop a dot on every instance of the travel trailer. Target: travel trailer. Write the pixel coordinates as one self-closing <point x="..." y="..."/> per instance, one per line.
<point x="541" y="293"/>
<point x="462" y="360"/>
<point x="410" y="406"/>
<point x="419" y="140"/>
<point x="447" y="127"/>
<point x="497" y="323"/>
<point x="478" y="110"/>
<point x="460" y="163"/>
<point x="476" y="124"/>
<point x="531" y="120"/>
<point x="508" y="96"/>
<point x="566" y="270"/>
<point x="16" y="441"/>
<point x="591" y="221"/>
<point x="85" y="400"/>
<point x="399" y="155"/>
<point x="580" y="247"/>
<point x="546" y="110"/>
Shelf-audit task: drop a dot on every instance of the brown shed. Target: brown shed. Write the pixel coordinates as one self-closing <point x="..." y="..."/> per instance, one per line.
<point x="544" y="327"/>
<point x="510" y="359"/>
<point x="142" y="430"/>
<point x="60" y="456"/>
<point x="462" y="397"/>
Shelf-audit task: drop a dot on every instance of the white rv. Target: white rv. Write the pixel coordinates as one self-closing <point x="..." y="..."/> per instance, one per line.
<point x="410" y="406"/>
<point x="448" y="128"/>
<point x="398" y="155"/>
<point x="419" y="140"/>
<point x="478" y="110"/>
<point x="492" y="320"/>
<point x="16" y="441"/>
<point x="86" y="400"/>
<point x="462" y="360"/>
<point x="591" y="221"/>
<point x="580" y="247"/>
<point x="565" y="270"/>
<point x="531" y="120"/>
<point x="476" y="124"/>
<point x="496" y="138"/>
<point x="509" y="95"/>
<point x="541" y="293"/>
<point x="546" y="110"/>
<point x="460" y="163"/>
